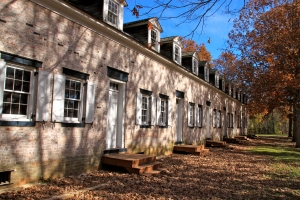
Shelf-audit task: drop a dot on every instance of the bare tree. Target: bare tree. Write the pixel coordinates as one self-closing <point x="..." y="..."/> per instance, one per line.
<point x="186" y="11"/>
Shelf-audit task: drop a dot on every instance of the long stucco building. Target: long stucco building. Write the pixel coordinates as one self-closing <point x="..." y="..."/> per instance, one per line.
<point x="76" y="82"/>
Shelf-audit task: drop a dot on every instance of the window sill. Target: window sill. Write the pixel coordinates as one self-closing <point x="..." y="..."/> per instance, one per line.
<point x="17" y="123"/>
<point x="80" y="125"/>
<point x="165" y="126"/>
<point x="145" y="126"/>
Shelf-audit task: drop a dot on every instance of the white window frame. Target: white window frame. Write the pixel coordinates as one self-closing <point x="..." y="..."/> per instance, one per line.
<point x="30" y="98"/>
<point x="191" y="114"/>
<point x="214" y="118"/>
<point x="220" y="119"/>
<point x="146" y="107"/>
<point x="217" y="80"/>
<point x="164" y="117"/>
<point x="195" y="66"/>
<point x="206" y="73"/>
<point x="229" y="120"/>
<point x="200" y="116"/>
<point x="87" y="100"/>
<point x="80" y="101"/>
<point x="163" y="112"/>
<point x="233" y="92"/>
<point x="178" y="56"/>
<point x="114" y="14"/>
<point x="151" y="111"/>
<point x="156" y="45"/>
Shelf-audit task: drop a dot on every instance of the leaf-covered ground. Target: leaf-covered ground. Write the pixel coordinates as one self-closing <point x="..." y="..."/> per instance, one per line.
<point x="234" y="172"/>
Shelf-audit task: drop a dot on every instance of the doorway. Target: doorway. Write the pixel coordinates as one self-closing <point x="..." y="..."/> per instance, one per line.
<point x="115" y="115"/>
<point x="207" y="122"/>
<point x="178" y="136"/>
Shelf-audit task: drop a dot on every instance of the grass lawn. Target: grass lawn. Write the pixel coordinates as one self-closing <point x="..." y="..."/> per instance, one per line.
<point x="287" y="160"/>
<point x="272" y="135"/>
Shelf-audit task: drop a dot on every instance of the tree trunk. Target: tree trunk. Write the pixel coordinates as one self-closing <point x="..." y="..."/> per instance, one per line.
<point x="297" y="124"/>
<point x="290" y="125"/>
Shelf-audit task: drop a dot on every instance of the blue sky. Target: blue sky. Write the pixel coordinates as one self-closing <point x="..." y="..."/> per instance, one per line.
<point x="216" y="27"/>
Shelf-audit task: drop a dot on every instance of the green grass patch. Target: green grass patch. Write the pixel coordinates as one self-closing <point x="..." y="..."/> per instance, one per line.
<point x="286" y="160"/>
<point x="271" y="135"/>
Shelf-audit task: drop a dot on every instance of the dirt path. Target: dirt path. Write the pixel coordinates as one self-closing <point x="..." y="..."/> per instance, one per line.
<point x="229" y="173"/>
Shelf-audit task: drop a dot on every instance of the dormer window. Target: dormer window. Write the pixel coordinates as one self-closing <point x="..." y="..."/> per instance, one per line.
<point x="195" y="66"/>
<point x="206" y="73"/>
<point x="112" y="15"/>
<point x="153" y="37"/>
<point x="177" y="54"/>
<point x="217" y="80"/>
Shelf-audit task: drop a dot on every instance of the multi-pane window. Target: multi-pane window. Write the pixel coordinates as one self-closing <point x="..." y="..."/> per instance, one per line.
<point x="163" y="108"/>
<point x="114" y="86"/>
<point x="145" y="110"/>
<point x="200" y="116"/>
<point x="72" y="98"/>
<point x="153" y="37"/>
<point x="112" y="16"/>
<point x="219" y="119"/>
<point x="206" y="71"/>
<point x="177" y="54"/>
<point x="195" y="66"/>
<point x="191" y="114"/>
<point x="214" y="118"/>
<point x="217" y="80"/>
<point x="230" y="120"/>
<point x="16" y="91"/>
<point x="239" y="121"/>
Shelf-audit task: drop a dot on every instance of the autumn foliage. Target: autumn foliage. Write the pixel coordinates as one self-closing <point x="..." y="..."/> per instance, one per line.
<point x="266" y="43"/>
<point x="191" y="45"/>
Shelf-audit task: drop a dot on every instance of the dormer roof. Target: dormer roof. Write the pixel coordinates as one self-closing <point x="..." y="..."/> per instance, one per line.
<point x="203" y="63"/>
<point x="213" y="71"/>
<point x="93" y="8"/>
<point x="153" y="20"/>
<point x="169" y="39"/>
<point x="189" y="54"/>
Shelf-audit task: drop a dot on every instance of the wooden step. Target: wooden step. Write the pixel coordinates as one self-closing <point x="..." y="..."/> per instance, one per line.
<point x="202" y="152"/>
<point x="153" y="172"/>
<point x="144" y="168"/>
<point x="212" y="143"/>
<point x="127" y="159"/>
<point x="134" y="163"/>
<point x="242" y="137"/>
<point x="188" y="148"/>
<point x="232" y="140"/>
